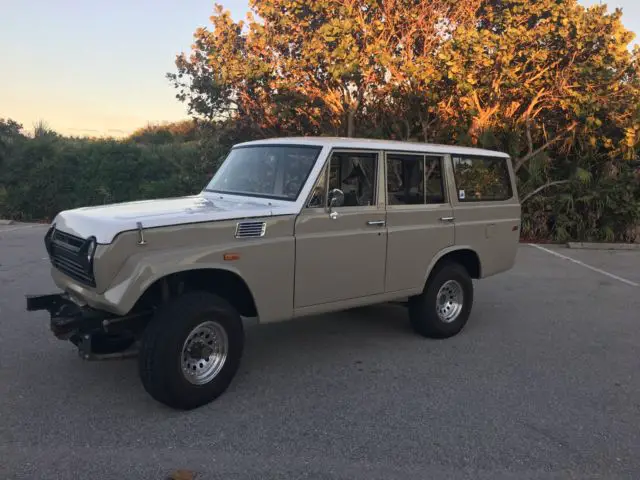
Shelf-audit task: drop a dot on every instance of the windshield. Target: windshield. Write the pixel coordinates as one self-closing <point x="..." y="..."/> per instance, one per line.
<point x="272" y="171"/>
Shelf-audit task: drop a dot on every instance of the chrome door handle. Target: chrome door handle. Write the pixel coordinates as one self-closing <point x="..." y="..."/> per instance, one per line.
<point x="333" y="215"/>
<point x="376" y="223"/>
<point x="447" y="219"/>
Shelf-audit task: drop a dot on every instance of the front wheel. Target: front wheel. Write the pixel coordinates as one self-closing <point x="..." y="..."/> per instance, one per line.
<point x="191" y="350"/>
<point x="443" y="308"/>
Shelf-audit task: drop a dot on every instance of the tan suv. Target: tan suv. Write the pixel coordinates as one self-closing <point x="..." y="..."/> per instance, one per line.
<point x="286" y="228"/>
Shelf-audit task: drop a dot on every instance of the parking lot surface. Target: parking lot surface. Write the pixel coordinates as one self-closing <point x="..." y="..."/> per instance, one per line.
<point x="544" y="382"/>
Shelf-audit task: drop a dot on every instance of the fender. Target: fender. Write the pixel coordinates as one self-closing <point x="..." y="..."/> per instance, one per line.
<point x="139" y="272"/>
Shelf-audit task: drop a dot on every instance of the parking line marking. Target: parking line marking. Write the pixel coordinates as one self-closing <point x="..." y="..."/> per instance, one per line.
<point x="578" y="262"/>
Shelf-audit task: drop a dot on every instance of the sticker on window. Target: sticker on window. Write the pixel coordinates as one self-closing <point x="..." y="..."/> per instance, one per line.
<point x="461" y="195"/>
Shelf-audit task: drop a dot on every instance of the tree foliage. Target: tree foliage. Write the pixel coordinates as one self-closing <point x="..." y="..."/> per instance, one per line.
<point x="10" y="133"/>
<point x="313" y="66"/>
<point x="169" y="132"/>
<point x="551" y="82"/>
<point x="422" y="69"/>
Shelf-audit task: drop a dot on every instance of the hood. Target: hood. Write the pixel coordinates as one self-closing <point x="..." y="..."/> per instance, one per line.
<point x="106" y="221"/>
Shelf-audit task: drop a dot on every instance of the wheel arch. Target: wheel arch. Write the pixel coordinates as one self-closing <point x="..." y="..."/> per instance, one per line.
<point x="224" y="282"/>
<point x="462" y="254"/>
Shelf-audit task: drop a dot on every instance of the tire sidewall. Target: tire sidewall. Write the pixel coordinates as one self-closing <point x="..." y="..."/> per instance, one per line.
<point x="161" y="350"/>
<point x="423" y="308"/>
<point x="459" y="274"/>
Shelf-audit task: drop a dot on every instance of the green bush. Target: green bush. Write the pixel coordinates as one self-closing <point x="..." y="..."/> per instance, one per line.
<point x="47" y="174"/>
<point x="603" y="207"/>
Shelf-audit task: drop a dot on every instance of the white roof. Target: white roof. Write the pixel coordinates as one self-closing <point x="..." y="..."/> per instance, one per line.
<point x="365" y="143"/>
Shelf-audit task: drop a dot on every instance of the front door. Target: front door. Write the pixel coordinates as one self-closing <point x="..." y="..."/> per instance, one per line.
<point x="341" y="251"/>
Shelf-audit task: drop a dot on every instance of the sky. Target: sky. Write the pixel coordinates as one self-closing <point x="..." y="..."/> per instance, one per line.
<point x="94" y="68"/>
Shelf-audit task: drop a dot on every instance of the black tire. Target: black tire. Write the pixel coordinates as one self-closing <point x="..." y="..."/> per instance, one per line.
<point x="159" y="360"/>
<point x="423" y="312"/>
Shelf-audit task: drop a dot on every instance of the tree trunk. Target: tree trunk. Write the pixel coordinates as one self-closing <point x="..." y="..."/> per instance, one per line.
<point x="351" y="123"/>
<point x="407" y="127"/>
<point x="424" y="125"/>
<point x="521" y="161"/>
<point x="425" y="131"/>
<point x="352" y="110"/>
<point x="541" y="188"/>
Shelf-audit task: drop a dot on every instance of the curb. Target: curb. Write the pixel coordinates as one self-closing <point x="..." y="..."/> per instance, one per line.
<point x="603" y="246"/>
<point x="6" y="222"/>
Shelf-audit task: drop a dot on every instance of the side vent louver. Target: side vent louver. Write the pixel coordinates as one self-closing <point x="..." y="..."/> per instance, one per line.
<point x="250" y="229"/>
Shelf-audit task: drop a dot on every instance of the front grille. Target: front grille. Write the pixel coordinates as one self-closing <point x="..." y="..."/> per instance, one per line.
<point x="68" y="254"/>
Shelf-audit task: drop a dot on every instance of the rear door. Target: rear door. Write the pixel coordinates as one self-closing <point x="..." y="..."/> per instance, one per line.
<point x="486" y="209"/>
<point x="419" y="217"/>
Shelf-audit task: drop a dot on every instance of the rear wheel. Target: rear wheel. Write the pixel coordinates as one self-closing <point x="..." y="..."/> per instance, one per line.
<point x="443" y="308"/>
<point x="191" y="350"/>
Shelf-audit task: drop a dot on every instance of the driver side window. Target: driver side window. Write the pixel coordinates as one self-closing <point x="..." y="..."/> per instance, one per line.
<point x="356" y="175"/>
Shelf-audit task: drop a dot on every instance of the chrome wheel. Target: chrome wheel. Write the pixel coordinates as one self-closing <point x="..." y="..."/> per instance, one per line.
<point x="449" y="301"/>
<point x="204" y="352"/>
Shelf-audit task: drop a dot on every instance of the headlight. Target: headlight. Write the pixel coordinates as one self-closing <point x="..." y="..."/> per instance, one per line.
<point x="91" y="249"/>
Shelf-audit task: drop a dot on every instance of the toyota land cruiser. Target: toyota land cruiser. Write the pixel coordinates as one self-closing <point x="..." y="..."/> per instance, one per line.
<point x="286" y="228"/>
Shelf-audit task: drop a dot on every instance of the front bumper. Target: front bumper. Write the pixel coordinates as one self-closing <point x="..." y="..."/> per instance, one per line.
<point x="70" y="321"/>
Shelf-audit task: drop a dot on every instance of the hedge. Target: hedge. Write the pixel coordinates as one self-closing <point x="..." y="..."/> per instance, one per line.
<point x="44" y="175"/>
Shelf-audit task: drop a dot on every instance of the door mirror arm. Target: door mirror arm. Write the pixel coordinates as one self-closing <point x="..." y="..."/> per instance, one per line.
<point x="336" y="199"/>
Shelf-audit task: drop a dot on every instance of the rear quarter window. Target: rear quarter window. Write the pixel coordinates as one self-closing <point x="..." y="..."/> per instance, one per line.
<point x="481" y="179"/>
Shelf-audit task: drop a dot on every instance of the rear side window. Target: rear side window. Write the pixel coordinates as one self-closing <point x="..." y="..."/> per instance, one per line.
<point x="414" y="179"/>
<point x="481" y="179"/>
<point x="405" y="179"/>
<point x="433" y="180"/>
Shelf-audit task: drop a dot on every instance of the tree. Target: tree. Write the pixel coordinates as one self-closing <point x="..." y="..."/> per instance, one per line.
<point x="314" y="66"/>
<point x="545" y="74"/>
<point x="10" y="132"/>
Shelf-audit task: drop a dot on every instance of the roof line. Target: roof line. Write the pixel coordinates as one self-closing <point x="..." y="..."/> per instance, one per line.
<point x="349" y="142"/>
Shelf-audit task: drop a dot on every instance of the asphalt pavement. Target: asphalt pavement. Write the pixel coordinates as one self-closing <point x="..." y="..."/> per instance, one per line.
<point x="544" y="382"/>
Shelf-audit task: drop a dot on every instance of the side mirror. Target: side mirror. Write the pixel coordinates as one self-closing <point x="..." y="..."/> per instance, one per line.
<point x="336" y="198"/>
